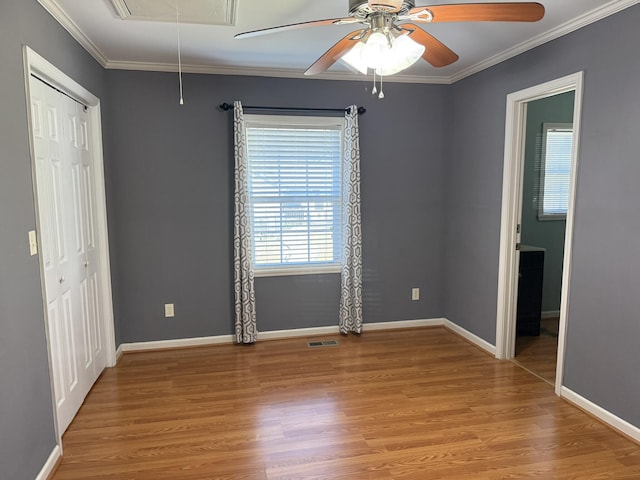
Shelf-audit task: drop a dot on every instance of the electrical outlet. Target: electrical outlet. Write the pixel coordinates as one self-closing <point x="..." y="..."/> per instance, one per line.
<point x="415" y="294"/>
<point x="169" y="311"/>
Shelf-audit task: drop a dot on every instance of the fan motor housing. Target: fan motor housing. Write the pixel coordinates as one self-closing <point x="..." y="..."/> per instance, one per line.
<point x="361" y="8"/>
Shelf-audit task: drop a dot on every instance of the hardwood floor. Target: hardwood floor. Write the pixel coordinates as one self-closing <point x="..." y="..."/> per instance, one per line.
<point x="540" y="353"/>
<point x="407" y="404"/>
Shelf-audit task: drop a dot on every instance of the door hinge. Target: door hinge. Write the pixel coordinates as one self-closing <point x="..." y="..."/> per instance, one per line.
<point x="518" y="228"/>
<point x="517" y="246"/>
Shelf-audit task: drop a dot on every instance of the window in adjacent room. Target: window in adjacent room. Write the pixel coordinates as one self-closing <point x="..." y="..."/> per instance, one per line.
<point x="557" y="144"/>
<point x="295" y="166"/>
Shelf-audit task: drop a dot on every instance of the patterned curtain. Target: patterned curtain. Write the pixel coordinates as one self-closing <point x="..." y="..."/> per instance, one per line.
<point x="351" y="276"/>
<point x="246" y="331"/>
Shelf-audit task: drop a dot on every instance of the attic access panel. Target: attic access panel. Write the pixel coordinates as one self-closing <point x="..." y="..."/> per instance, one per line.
<point x="208" y="12"/>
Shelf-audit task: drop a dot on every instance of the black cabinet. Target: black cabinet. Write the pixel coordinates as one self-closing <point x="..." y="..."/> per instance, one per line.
<point x="530" y="291"/>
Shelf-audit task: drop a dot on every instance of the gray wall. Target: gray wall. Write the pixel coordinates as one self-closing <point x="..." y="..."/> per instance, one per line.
<point x="548" y="234"/>
<point x="171" y="202"/>
<point x="602" y="358"/>
<point x="26" y="420"/>
<point x="431" y="186"/>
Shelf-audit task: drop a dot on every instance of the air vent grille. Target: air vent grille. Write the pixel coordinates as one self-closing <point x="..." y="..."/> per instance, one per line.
<point x="208" y="12"/>
<point x="323" y="343"/>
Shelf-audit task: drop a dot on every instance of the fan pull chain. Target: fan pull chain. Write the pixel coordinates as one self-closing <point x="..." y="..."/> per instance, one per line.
<point x="381" y="94"/>
<point x="375" y="89"/>
<point x="179" y="55"/>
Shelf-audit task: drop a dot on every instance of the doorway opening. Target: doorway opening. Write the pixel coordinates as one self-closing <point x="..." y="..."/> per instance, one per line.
<point x="541" y="154"/>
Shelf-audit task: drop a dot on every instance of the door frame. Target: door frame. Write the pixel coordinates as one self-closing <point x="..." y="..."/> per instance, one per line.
<point x="37" y="65"/>
<point x="513" y="173"/>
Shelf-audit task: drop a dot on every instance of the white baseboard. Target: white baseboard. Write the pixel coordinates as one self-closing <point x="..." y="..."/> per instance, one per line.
<point x="119" y="353"/>
<point x="272" y="335"/>
<point x="178" y="343"/>
<point x="550" y="314"/>
<point x="299" y="332"/>
<point x="51" y="463"/>
<point x="471" y="337"/>
<point x="307" y="332"/>
<point x="597" y="411"/>
<point x="432" y="322"/>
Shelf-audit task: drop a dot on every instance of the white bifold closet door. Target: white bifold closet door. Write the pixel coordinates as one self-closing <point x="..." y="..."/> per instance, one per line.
<point x="69" y="254"/>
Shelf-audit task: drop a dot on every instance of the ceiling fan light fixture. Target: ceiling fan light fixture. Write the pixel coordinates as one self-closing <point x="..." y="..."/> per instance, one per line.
<point x="404" y="53"/>
<point x="376" y="50"/>
<point x="384" y="53"/>
<point x="354" y="59"/>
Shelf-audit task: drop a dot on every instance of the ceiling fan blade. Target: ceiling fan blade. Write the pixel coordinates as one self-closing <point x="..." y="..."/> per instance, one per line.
<point x="295" y="26"/>
<point x="334" y="54"/>
<point x="436" y="52"/>
<point x="484" y="12"/>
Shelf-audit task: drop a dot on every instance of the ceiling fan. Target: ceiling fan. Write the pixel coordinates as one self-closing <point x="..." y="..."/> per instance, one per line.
<point x="386" y="23"/>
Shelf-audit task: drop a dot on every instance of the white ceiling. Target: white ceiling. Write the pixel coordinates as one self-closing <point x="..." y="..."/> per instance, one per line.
<point x="148" y="45"/>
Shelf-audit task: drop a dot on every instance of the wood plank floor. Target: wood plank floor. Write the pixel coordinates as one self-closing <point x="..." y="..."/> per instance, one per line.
<point x="408" y="404"/>
<point x="540" y="354"/>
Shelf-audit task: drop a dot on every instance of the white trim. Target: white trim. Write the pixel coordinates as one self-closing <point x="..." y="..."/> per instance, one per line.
<point x="300" y="270"/>
<point x="50" y="464"/>
<point x="597" y="411"/>
<point x="119" y="353"/>
<point x="509" y="236"/>
<point x="610" y="8"/>
<point x="58" y="13"/>
<point x="178" y="343"/>
<point x="568" y="239"/>
<point x="256" y="120"/>
<point x="431" y="322"/>
<point x="301" y="332"/>
<point x="95" y="115"/>
<point x="268" y="72"/>
<point x="471" y="337"/>
<point x="511" y="213"/>
<point x="274" y="335"/>
<point x="123" y="11"/>
<point x="614" y="6"/>
<point x="38" y="65"/>
<point x="550" y="314"/>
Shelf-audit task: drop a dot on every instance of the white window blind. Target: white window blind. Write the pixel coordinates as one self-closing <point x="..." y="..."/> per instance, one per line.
<point x="556" y="171"/>
<point x="295" y="190"/>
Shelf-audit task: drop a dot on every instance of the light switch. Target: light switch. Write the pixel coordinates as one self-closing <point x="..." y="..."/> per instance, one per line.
<point x="33" y="243"/>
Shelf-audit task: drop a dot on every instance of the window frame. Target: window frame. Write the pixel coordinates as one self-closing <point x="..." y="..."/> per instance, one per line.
<point x="301" y="121"/>
<point x="546" y="127"/>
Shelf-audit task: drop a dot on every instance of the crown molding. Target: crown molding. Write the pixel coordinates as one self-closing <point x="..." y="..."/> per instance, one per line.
<point x="267" y="72"/>
<point x="595" y="15"/>
<point x="577" y="23"/>
<point x="57" y="12"/>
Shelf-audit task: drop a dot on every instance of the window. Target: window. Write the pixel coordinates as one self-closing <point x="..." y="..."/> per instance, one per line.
<point x="555" y="171"/>
<point x="295" y="166"/>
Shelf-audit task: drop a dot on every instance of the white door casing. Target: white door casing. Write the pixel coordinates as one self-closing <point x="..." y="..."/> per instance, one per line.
<point x="71" y="214"/>
<point x="512" y="211"/>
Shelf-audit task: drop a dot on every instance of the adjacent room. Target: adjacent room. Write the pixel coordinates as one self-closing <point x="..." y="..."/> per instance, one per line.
<point x="340" y="239"/>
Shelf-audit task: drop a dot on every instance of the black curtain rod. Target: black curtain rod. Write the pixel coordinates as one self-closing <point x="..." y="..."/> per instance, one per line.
<point x="228" y="106"/>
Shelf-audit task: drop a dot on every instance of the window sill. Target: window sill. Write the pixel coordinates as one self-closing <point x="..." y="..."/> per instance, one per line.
<point x="298" y="270"/>
<point x="552" y="216"/>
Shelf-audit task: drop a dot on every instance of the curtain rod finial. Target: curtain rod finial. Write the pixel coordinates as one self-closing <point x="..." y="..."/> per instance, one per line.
<point x="226" y="107"/>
